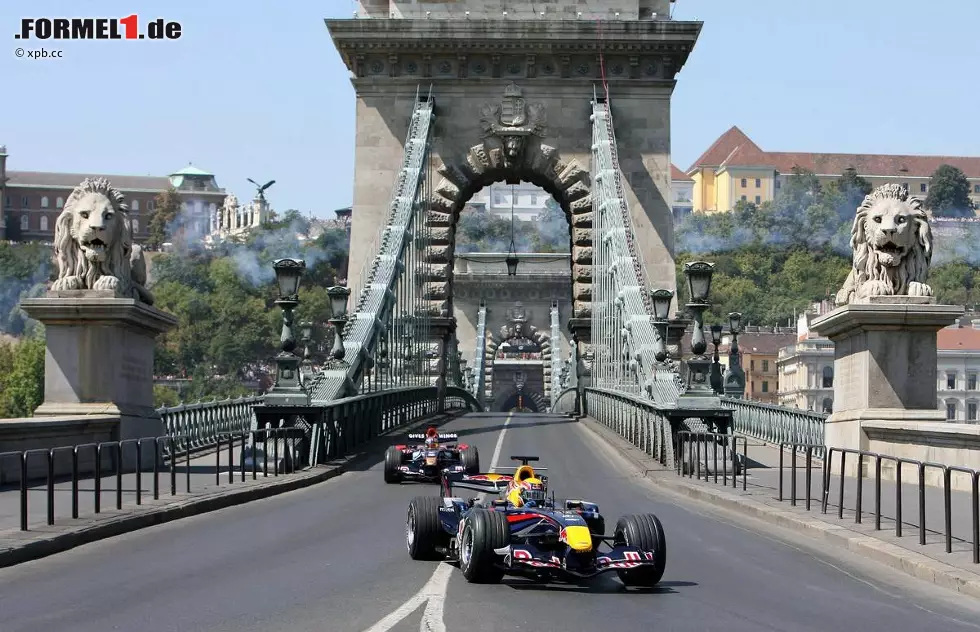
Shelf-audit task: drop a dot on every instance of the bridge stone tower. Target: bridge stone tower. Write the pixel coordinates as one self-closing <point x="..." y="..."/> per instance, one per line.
<point x="513" y="83"/>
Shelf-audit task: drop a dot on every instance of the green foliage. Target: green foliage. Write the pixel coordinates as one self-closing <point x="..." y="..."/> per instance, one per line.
<point x="482" y="231"/>
<point x="24" y="269"/>
<point x="164" y="397"/>
<point x="949" y="193"/>
<point x="162" y="218"/>
<point x="21" y="376"/>
<point x="224" y="300"/>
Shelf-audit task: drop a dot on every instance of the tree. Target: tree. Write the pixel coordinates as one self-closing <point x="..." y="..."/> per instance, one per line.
<point x="163" y="218"/>
<point x="949" y="193"/>
<point x="22" y="385"/>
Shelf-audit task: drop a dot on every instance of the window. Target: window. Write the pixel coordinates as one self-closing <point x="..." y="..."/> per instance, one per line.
<point x="150" y="205"/>
<point x="25" y="202"/>
<point x="498" y="199"/>
<point x="765" y="386"/>
<point x="59" y="203"/>
<point x="24" y="222"/>
<point x="765" y="365"/>
<point x="971" y="382"/>
<point x="745" y="183"/>
<point x="950" y="381"/>
<point x="950" y="410"/>
<point x="136" y="226"/>
<point x="758" y="199"/>
<point x="828" y="377"/>
<point x="778" y="184"/>
<point x="44" y="201"/>
<point x="758" y="182"/>
<point x="828" y="405"/>
<point x="44" y="222"/>
<point x="534" y="200"/>
<point x="751" y="365"/>
<point x="745" y="199"/>
<point x="971" y="411"/>
<point x="8" y="202"/>
<point x="922" y="187"/>
<point x="976" y="188"/>
<point x="135" y="206"/>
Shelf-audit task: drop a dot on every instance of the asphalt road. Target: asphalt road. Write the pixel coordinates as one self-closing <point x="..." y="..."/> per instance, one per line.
<point x="332" y="558"/>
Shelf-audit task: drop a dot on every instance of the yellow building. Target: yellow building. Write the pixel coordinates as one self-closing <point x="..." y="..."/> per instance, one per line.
<point x="735" y="168"/>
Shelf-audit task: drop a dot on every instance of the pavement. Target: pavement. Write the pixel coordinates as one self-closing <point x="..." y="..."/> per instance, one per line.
<point x="196" y="485"/>
<point x="331" y="557"/>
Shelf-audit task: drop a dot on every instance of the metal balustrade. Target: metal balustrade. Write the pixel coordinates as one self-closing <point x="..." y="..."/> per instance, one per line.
<point x="203" y="423"/>
<point x="479" y="356"/>
<point x="639" y="421"/>
<point x="778" y="424"/>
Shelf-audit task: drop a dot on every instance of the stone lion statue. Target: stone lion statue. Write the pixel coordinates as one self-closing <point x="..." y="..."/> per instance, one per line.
<point x="93" y="244"/>
<point x="892" y="244"/>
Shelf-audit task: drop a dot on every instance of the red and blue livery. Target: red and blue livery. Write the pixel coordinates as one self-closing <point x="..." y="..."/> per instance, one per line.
<point x="525" y="533"/>
<point x="435" y="454"/>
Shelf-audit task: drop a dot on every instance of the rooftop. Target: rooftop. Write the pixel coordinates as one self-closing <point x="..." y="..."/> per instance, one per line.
<point x="735" y="149"/>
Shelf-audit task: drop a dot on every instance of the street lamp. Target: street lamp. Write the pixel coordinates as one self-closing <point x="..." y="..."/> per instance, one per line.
<point x="717" y="383"/>
<point x="512" y="262"/>
<point x="734" y="378"/>
<point x="287" y="389"/>
<point x="661" y="309"/>
<point x="338" y="306"/>
<point x="699" y="284"/>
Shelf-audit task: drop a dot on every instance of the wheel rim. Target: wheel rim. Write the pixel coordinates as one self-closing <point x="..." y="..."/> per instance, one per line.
<point x="466" y="547"/>
<point x="410" y="529"/>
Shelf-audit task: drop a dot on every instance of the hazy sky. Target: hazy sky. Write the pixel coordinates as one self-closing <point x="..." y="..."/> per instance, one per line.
<point x="256" y="89"/>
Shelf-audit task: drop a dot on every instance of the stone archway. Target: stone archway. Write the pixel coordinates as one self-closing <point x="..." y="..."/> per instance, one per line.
<point x="512" y="149"/>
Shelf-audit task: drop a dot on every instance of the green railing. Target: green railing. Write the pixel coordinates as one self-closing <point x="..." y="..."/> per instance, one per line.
<point x="202" y="423"/>
<point x="639" y="421"/>
<point x="778" y="424"/>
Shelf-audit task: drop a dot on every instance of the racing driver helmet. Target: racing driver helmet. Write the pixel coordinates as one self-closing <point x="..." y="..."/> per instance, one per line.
<point x="527" y="490"/>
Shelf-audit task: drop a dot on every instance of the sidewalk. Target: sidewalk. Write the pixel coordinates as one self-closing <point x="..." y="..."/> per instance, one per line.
<point x="930" y="562"/>
<point x="202" y="478"/>
<point x="206" y="494"/>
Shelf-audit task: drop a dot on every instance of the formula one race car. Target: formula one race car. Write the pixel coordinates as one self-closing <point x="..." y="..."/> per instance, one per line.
<point x="429" y="459"/>
<point x="526" y="534"/>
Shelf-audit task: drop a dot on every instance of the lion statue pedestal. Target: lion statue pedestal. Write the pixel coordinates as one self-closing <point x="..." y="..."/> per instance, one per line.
<point x="885" y="328"/>
<point x="99" y="321"/>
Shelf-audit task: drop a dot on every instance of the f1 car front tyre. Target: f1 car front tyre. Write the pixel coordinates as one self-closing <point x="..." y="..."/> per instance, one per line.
<point x="645" y="532"/>
<point x="483" y="531"/>
<point x="393" y="461"/>
<point x="423" y="529"/>
<point x="470" y="460"/>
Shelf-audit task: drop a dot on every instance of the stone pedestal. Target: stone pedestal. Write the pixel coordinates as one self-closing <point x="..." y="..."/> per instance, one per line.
<point x="99" y="358"/>
<point x="884" y="364"/>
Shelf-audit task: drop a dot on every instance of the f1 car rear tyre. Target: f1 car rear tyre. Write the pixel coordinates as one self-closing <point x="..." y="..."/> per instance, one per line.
<point x="393" y="461"/>
<point x="423" y="529"/>
<point x="470" y="459"/>
<point x="483" y="531"/>
<point x="645" y="532"/>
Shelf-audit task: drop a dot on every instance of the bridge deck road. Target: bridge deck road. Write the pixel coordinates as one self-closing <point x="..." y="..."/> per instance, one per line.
<point x="332" y="558"/>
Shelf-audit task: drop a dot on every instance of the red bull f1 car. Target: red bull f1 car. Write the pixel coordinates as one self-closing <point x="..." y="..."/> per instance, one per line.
<point x="434" y="454"/>
<point x="525" y="533"/>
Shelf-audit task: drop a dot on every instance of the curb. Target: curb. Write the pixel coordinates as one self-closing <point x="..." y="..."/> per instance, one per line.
<point x="142" y="517"/>
<point x="899" y="558"/>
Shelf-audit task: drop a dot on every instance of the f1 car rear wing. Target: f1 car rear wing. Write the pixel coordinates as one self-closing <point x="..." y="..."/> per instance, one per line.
<point x="442" y="436"/>
<point x="524" y="461"/>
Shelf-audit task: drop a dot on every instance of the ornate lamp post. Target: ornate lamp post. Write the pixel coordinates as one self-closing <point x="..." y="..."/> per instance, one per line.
<point x="734" y="379"/>
<point x="699" y="285"/>
<point x="717" y="383"/>
<point x="306" y="335"/>
<point x="287" y="390"/>
<point x="661" y="309"/>
<point x="338" y="306"/>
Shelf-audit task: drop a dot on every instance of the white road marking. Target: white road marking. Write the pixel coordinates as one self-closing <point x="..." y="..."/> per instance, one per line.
<point x="433" y="594"/>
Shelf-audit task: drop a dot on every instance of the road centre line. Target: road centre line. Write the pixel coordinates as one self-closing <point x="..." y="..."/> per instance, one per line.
<point x="433" y="594"/>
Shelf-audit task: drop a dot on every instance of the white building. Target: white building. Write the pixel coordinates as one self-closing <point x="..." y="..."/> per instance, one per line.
<point x="529" y="200"/>
<point x="681" y="193"/>
<point x="958" y="370"/>
<point x="806" y="368"/>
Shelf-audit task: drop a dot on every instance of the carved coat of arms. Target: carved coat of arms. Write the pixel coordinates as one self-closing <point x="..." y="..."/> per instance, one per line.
<point x="512" y="120"/>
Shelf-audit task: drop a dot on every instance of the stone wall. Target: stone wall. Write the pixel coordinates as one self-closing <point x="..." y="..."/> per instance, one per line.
<point x="948" y="444"/>
<point x="55" y="432"/>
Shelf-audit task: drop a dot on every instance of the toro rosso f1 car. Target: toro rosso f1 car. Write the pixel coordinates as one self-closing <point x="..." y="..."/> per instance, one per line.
<point x="525" y="533"/>
<point x="437" y="453"/>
